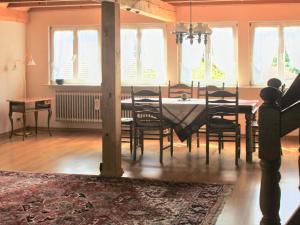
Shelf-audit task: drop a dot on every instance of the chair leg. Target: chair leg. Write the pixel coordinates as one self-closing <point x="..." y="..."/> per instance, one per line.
<point x="207" y="147"/>
<point x="161" y="147"/>
<point x="220" y="143"/>
<point x="239" y="145"/>
<point x="130" y="138"/>
<point x="171" y="141"/>
<point x="237" y="148"/>
<point x="236" y="152"/>
<point x="142" y="142"/>
<point x="190" y="143"/>
<point x="135" y="143"/>
<point x="198" y="139"/>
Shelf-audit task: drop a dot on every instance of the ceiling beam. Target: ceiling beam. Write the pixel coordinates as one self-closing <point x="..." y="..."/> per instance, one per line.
<point x="62" y="7"/>
<point x="51" y="4"/>
<point x="157" y="9"/>
<point x="13" y="15"/>
<point x="228" y="2"/>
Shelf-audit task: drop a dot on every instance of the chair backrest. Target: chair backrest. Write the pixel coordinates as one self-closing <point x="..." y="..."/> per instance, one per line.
<point x="177" y="90"/>
<point x="147" y="108"/>
<point x="201" y="91"/>
<point x="223" y="104"/>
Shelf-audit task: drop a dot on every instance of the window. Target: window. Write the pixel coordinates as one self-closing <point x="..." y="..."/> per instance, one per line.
<point x="212" y="63"/>
<point x="75" y="55"/>
<point x="276" y="53"/>
<point x="143" y="60"/>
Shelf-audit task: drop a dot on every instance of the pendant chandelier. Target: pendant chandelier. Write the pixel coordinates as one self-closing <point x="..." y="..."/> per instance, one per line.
<point x="191" y="32"/>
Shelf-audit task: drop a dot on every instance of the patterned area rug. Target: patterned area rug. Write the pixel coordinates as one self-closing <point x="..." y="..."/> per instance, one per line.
<point x="27" y="198"/>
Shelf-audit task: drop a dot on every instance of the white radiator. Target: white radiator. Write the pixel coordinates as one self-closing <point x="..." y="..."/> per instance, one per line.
<point x="78" y="106"/>
<point x="81" y="106"/>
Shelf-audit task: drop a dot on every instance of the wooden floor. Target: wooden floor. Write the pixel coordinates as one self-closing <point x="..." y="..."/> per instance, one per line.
<point x="80" y="153"/>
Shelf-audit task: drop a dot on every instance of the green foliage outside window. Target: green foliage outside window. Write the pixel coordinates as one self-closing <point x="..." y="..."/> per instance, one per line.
<point x="149" y="74"/>
<point x="198" y="73"/>
<point x="217" y="74"/>
<point x="275" y="61"/>
<point x="288" y="65"/>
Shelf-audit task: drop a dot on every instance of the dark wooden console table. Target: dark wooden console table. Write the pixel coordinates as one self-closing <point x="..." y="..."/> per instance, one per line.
<point x="28" y="105"/>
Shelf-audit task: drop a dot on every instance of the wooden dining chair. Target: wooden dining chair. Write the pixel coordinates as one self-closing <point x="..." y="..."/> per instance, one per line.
<point x="222" y="117"/>
<point x="127" y="131"/>
<point x="127" y="125"/>
<point x="201" y="93"/>
<point x="177" y="91"/>
<point x="148" y="121"/>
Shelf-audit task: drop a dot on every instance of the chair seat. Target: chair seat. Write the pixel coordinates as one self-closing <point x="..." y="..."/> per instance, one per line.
<point x="152" y="125"/>
<point x="218" y="123"/>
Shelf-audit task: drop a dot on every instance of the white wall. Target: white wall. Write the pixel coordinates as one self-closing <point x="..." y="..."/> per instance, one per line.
<point x="12" y="48"/>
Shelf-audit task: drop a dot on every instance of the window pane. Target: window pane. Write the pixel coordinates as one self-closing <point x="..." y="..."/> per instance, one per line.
<point x="265" y="54"/>
<point x="152" y="57"/>
<point x="88" y="56"/>
<point x="192" y="62"/>
<point x="292" y="53"/>
<point x="222" y="55"/>
<point x="129" y="69"/>
<point x="62" y="66"/>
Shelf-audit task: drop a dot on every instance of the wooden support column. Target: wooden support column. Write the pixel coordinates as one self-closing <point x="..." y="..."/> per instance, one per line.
<point x="111" y="91"/>
<point x="270" y="155"/>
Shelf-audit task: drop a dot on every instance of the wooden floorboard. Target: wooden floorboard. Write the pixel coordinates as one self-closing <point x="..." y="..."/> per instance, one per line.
<point x="80" y="153"/>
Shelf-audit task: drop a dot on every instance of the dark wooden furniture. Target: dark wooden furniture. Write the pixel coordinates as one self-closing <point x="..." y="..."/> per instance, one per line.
<point x="255" y="135"/>
<point x="127" y="131"/>
<point x="276" y="119"/>
<point x="178" y="91"/>
<point x="277" y="84"/>
<point x="222" y="120"/>
<point x="24" y="106"/>
<point x="246" y="107"/>
<point x="148" y="121"/>
<point x="201" y="93"/>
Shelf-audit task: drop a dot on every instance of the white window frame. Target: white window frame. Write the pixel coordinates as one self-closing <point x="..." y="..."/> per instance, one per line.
<point x="208" y="80"/>
<point x="139" y="27"/>
<point x="75" y="79"/>
<point x="277" y="24"/>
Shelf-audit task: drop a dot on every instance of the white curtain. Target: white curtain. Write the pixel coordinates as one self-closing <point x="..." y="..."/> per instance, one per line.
<point x="222" y="54"/>
<point x="192" y="58"/>
<point x="62" y="65"/>
<point x="89" y="56"/>
<point x="265" y="48"/>
<point x="292" y="48"/>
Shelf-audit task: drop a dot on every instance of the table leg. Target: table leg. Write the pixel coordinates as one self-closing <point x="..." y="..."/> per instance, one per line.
<point x="36" y="114"/>
<point x="11" y="122"/>
<point x="24" y="125"/>
<point x="248" y="117"/>
<point x="49" y="118"/>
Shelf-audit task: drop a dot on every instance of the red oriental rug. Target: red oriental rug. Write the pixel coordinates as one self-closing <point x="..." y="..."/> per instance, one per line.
<point x="29" y="198"/>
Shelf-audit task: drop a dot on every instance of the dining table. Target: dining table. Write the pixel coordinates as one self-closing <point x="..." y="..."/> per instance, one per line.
<point x="188" y="115"/>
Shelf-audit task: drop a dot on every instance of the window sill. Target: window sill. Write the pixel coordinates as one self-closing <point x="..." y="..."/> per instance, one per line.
<point x="72" y="85"/>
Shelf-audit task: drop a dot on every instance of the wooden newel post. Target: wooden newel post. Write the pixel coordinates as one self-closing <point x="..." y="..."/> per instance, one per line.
<point x="270" y="155"/>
